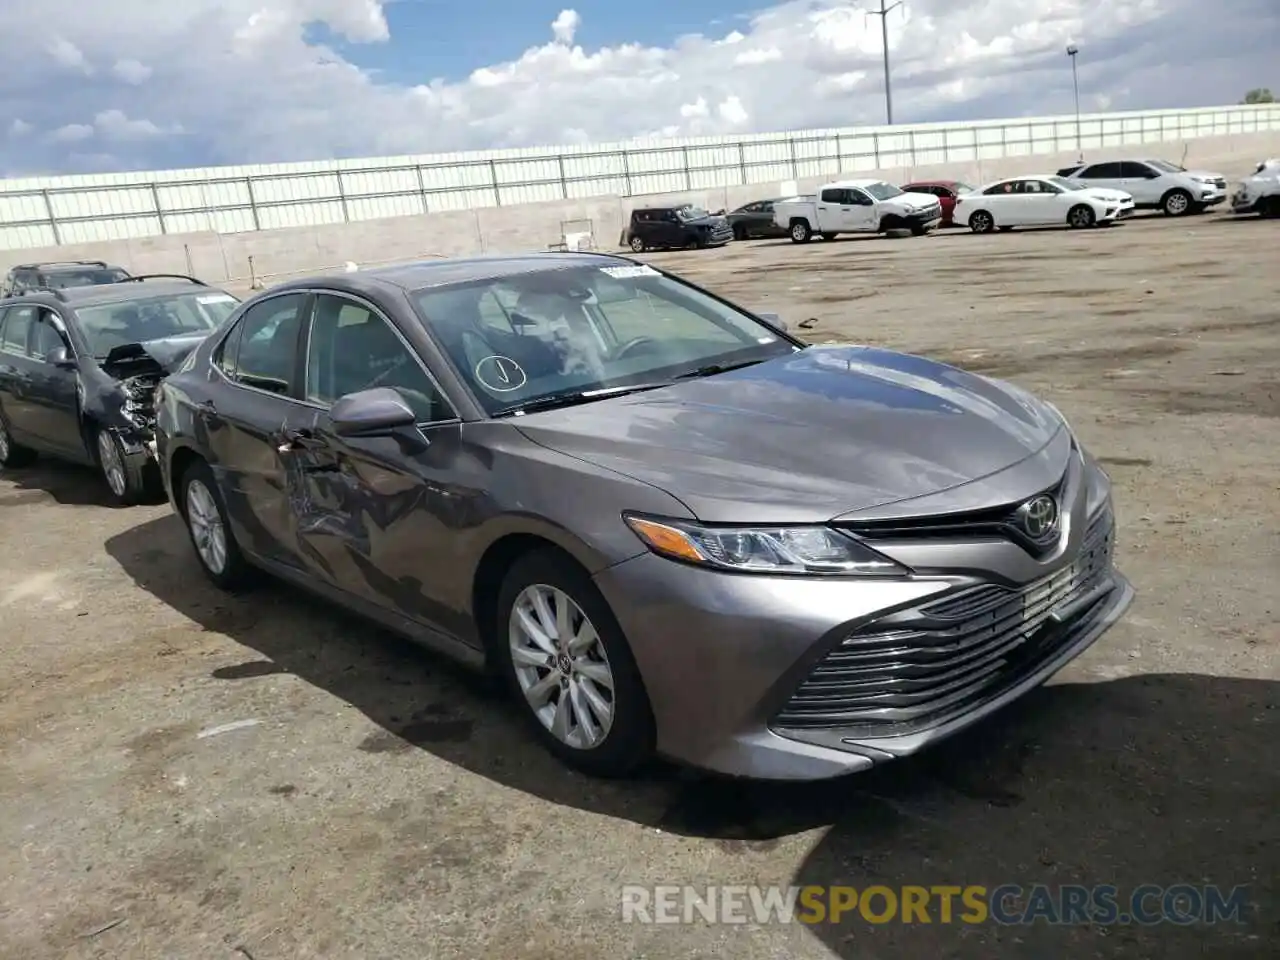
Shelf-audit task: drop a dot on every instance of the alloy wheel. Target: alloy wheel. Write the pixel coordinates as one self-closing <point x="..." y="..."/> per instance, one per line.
<point x="207" y="530"/>
<point x="1177" y="204"/>
<point x="112" y="465"/>
<point x="561" y="666"/>
<point x="4" y="443"/>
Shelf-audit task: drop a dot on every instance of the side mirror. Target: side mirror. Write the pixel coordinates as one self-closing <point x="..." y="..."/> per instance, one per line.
<point x="379" y="412"/>
<point x="58" y="357"/>
<point x="719" y="213"/>
<point x="773" y="320"/>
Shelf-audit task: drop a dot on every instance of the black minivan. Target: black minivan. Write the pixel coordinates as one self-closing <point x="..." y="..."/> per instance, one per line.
<point x="676" y="227"/>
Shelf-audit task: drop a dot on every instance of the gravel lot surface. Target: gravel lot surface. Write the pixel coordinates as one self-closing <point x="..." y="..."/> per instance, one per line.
<point x="374" y="802"/>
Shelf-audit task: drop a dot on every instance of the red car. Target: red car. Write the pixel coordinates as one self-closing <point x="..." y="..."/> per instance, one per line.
<point x="945" y="190"/>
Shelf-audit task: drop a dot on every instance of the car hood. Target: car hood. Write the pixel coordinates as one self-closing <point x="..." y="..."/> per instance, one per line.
<point x="821" y="433"/>
<point x="1204" y="174"/>
<point x="161" y="356"/>
<point x="916" y="201"/>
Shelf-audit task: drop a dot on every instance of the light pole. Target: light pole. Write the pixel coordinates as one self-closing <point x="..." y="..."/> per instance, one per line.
<point x="883" y="14"/>
<point x="1072" y="50"/>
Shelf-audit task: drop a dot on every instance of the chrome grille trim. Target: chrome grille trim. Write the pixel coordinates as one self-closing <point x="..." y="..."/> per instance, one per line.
<point x="911" y="669"/>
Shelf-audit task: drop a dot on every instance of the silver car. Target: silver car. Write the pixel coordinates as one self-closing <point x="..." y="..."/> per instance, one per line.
<point x="667" y="524"/>
<point x="1155" y="184"/>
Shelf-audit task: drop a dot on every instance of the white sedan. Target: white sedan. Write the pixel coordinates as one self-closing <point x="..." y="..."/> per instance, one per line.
<point x="1040" y="201"/>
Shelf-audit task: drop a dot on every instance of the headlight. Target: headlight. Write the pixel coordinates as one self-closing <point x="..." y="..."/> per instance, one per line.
<point x="787" y="550"/>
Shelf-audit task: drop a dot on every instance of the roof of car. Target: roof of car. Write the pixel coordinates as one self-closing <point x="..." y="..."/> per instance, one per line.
<point x="100" y="293"/>
<point x="53" y="266"/>
<point x="863" y="182"/>
<point x="443" y="272"/>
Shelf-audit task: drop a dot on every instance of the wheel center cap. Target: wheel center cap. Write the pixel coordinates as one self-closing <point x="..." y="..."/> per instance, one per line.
<point x="564" y="663"/>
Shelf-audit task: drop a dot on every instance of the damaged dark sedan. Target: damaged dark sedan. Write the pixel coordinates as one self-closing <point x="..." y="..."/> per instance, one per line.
<point x="79" y="368"/>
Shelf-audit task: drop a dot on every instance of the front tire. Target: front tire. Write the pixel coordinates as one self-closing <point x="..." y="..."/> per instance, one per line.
<point x="1081" y="217"/>
<point x="127" y="475"/>
<point x="637" y="244"/>
<point x="570" y="667"/>
<point x="739" y="232"/>
<point x="981" y="222"/>
<point x="12" y="454"/>
<point x="205" y="515"/>
<point x="1176" y="203"/>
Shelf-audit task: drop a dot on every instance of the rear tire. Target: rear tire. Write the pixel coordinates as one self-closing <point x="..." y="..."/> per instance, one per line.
<point x="800" y="231"/>
<point x="557" y="680"/>
<point x="1005" y="229"/>
<point x="829" y="236"/>
<point x="205" y="515"/>
<point x="981" y="222"/>
<point x="12" y="454"/>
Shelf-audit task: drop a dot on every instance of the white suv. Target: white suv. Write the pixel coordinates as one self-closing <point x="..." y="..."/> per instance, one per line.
<point x="1154" y="184"/>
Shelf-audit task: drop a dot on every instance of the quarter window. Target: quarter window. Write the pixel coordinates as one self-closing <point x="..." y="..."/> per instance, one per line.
<point x="262" y="350"/>
<point x="1101" y="171"/>
<point x="352" y="348"/>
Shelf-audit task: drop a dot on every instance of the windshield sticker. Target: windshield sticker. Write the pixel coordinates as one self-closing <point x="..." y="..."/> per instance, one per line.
<point x="215" y="298"/>
<point x="500" y="374"/>
<point x="628" y="273"/>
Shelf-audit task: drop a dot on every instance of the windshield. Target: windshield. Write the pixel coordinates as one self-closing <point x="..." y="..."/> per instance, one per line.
<point x="1166" y="166"/>
<point x="1065" y="184"/>
<point x="883" y="191"/>
<point x="520" y="339"/>
<point x="110" y="325"/>
<point x="83" y="277"/>
<point x="692" y="213"/>
<point x="964" y="188"/>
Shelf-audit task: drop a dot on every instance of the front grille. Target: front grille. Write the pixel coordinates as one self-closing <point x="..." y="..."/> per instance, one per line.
<point x="996" y="522"/>
<point x="918" y="668"/>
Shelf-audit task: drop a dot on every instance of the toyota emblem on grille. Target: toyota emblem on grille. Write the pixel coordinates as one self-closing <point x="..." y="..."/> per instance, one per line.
<point x="1038" y="517"/>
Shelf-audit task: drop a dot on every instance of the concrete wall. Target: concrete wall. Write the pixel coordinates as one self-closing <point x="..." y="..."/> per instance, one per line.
<point x="231" y="259"/>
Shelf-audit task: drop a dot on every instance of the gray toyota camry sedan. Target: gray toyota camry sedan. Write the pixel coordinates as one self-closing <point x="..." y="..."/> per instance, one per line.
<point x="667" y="524"/>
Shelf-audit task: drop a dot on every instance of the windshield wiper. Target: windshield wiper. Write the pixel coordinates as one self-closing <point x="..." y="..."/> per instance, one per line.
<point x="573" y="398"/>
<point x="713" y="368"/>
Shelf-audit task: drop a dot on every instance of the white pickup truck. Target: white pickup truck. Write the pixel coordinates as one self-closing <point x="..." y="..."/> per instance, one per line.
<point x="1259" y="193"/>
<point x="857" y="206"/>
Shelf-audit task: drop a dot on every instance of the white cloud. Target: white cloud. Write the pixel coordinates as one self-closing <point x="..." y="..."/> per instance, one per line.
<point x="131" y="71"/>
<point x="241" y="81"/>
<point x="19" y="127"/>
<point x="72" y="133"/>
<point x="565" y="26"/>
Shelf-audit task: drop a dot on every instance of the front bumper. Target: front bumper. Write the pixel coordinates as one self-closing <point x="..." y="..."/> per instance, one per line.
<point x="745" y="677"/>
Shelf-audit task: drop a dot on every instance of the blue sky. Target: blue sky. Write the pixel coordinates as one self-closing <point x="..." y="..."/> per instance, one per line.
<point x="138" y="84"/>
<point x="450" y="38"/>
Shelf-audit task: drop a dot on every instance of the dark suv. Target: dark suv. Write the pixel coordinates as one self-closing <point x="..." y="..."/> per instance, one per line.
<point x="676" y="228"/>
<point x="60" y="275"/>
<point x="79" y="367"/>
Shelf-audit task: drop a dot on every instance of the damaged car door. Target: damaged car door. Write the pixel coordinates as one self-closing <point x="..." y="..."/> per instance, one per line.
<point x="52" y="403"/>
<point x="239" y="420"/>
<point x="373" y="504"/>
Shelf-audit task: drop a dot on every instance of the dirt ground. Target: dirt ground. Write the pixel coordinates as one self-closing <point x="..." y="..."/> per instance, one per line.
<point x="374" y="802"/>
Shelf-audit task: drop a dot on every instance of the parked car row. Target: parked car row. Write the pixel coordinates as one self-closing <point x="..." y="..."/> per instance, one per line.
<point x="1079" y="196"/>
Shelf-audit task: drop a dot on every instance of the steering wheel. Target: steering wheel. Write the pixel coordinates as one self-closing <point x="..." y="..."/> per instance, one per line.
<point x="635" y="344"/>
